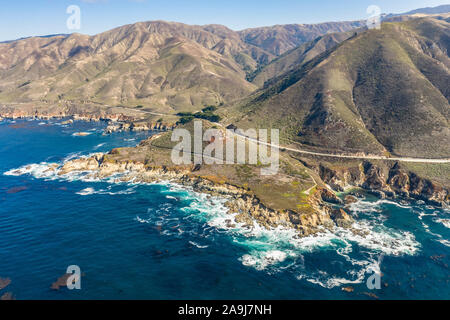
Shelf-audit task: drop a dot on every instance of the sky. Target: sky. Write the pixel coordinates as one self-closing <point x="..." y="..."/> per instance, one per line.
<point x="23" y="18"/>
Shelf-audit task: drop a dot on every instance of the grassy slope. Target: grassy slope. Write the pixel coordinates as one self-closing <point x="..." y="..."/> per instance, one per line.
<point x="162" y="65"/>
<point x="298" y="56"/>
<point x="371" y="93"/>
<point x="283" y="191"/>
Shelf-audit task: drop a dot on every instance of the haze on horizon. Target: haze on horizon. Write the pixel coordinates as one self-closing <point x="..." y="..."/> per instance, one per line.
<point x="24" y="18"/>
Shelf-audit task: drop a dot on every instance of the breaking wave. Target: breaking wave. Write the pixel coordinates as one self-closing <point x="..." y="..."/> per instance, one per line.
<point x="274" y="250"/>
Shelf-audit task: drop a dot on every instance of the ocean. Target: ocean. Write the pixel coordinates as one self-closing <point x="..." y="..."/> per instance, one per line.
<point x="164" y="241"/>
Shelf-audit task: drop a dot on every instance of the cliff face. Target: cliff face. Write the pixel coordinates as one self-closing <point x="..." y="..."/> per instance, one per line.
<point x="385" y="180"/>
<point x="77" y="112"/>
<point x="246" y="207"/>
<point x="120" y="119"/>
<point x="408" y="184"/>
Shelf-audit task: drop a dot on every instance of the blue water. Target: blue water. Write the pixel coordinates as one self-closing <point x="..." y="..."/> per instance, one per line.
<point x="161" y="241"/>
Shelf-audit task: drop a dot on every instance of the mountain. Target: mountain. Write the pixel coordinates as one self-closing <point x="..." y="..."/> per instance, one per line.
<point x="279" y="39"/>
<point x="297" y="57"/>
<point x="380" y="91"/>
<point x="439" y="10"/>
<point x="165" y="66"/>
<point x="431" y="10"/>
<point x="169" y="66"/>
<point x="375" y="91"/>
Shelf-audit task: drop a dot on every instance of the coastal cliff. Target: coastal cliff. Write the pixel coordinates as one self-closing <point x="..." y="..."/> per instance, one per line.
<point x="385" y="180"/>
<point x="248" y="208"/>
<point x="119" y="119"/>
<point x="302" y="196"/>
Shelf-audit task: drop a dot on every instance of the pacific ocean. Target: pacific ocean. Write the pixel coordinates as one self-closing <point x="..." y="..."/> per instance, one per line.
<point x="164" y="241"/>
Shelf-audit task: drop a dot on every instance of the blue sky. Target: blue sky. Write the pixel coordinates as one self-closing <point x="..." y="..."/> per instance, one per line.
<point x="21" y="18"/>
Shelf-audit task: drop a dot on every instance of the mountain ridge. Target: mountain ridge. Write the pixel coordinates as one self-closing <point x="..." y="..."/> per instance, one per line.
<point x="364" y="94"/>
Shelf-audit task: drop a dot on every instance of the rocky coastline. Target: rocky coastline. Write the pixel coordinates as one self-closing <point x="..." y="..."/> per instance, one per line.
<point x="327" y="212"/>
<point x="245" y="206"/>
<point x="386" y="181"/>
<point x="117" y="121"/>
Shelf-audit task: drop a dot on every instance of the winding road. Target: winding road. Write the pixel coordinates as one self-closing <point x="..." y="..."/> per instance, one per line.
<point x="321" y="154"/>
<point x="330" y="155"/>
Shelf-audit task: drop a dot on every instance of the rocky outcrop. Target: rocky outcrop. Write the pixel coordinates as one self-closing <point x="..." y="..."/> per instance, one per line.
<point x="250" y="209"/>
<point x="117" y="121"/>
<point x="408" y="184"/>
<point x="247" y="208"/>
<point x="385" y="182"/>
<point x="138" y="126"/>
<point x="349" y="199"/>
<point x="338" y="181"/>
<point x="95" y="114"/>
<point x="4" y="283"/>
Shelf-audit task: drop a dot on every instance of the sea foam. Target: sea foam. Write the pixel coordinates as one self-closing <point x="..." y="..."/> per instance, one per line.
<point x="269" y="250"/>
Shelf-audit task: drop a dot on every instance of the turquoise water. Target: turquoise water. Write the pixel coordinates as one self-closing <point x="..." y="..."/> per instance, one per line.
<point x="161" y="241"/>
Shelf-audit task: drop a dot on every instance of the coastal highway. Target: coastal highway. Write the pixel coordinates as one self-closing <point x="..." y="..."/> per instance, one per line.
<point x="321" y="154"/>
<point x="330" y="155"/>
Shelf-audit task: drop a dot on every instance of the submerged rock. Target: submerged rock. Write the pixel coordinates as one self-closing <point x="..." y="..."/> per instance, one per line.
<point x="60" y="282"/>
<point x="4" y="282"/>
<point x="7" y="296"/>
<point x="349" y="199"/>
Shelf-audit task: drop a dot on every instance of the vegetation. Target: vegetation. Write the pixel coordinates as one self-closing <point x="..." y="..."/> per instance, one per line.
<point x="377" y="92"/>
<point x="24" y="84"/>
<point x="207" y="113"/>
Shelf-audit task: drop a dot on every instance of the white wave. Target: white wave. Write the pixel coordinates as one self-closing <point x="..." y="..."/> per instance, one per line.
<point x="139" y="219"/>
<point x="42" y="170"/>
<point x="260" y="260"/>
<point x="367" y="206"/>
<point x="99" y="146"/>
<point x="273" y="249"/>
<point x="72" y="155"/>
<point x="197" y="245"/>
<point x="90" y="191"/>
<point x="86" y="192"/>
<point x="445" y="242"/>
<point x="366" y="233"/>
<point x="422" y="214"/>
<point x="280" y="248"/>
<point x="81" y="134"/>
<point x="50" y="171"/>
<point x="353" y="276"/>
<point x="445" y="222"/>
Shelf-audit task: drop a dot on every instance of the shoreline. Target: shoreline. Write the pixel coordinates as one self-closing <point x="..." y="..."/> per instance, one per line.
<point x="113" y="125"/>
<point x="247" y="220"/>
<point x="328" y="210"/>
<point x="276" y="253"/>
<point x="131" y="120"/>
<point x="246" y="207"/>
